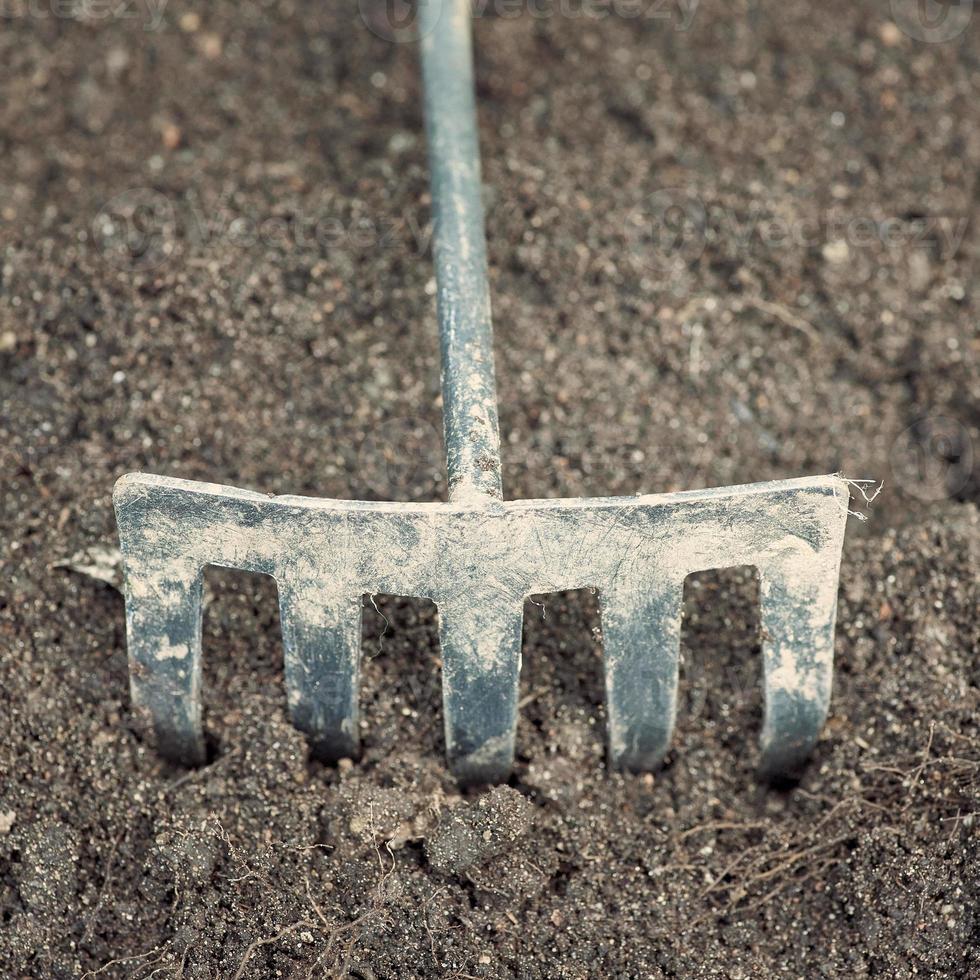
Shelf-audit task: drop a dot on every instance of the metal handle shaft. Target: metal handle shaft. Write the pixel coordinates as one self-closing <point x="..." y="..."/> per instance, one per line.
<point x="469" y="396"/>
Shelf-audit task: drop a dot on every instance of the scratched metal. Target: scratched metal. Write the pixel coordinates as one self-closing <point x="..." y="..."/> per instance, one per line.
<point x="479" y="564"/>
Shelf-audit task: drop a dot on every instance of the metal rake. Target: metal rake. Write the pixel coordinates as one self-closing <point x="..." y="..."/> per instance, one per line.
<point x="479" y="557"/>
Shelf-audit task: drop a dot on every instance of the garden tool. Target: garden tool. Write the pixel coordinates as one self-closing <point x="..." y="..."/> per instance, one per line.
<point x="478" y="557"/>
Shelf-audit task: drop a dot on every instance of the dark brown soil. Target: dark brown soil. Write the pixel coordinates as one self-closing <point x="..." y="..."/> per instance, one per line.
<point x="214" y="265"/>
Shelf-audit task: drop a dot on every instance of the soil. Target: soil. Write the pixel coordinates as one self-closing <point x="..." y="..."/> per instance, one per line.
<point x="215" y="265"/>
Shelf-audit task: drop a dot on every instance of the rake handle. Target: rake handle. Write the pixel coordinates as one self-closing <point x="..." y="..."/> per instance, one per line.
<point x="469" y="394"/>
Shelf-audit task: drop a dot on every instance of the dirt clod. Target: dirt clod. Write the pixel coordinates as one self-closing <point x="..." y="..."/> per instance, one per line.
<point x="473" y="833"/>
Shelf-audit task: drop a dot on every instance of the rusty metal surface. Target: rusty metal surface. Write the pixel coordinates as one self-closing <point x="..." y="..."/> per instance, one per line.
<point x="479" y="564"/>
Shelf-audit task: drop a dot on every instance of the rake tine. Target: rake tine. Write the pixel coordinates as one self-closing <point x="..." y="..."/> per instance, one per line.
<point x="481" y="666"/>
<point x="163" y="623"/>
<point x="799" y="610"/>
<point x="321" y="637"/>
<point x="641" y="632"/>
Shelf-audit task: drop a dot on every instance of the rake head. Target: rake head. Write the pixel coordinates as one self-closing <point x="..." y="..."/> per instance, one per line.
<point x="478" y="563"/>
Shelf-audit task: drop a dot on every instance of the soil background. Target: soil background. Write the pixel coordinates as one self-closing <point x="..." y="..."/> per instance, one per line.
<point x="215" y="265"/>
